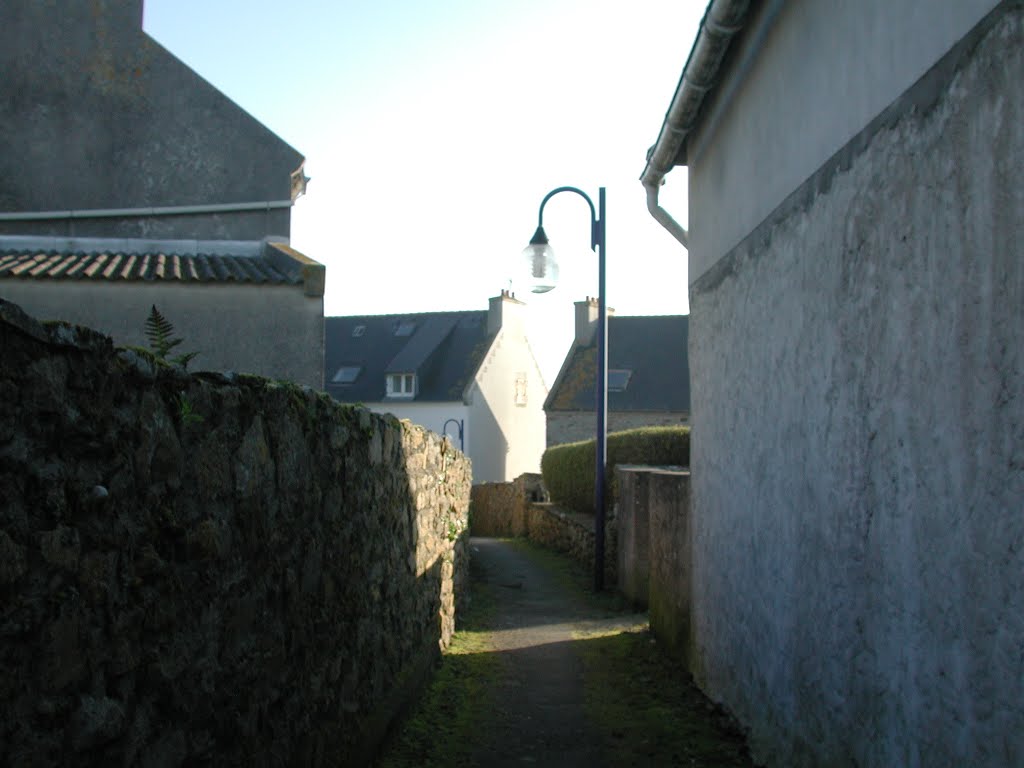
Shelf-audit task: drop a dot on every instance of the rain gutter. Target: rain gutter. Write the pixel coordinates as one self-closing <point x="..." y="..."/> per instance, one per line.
<point x="722" y="20"/>
<point x="166" y="210"/>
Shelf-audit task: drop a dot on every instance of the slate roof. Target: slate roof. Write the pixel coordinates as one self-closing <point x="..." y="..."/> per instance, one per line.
<point x="443" y="349"/>
<point x="652" y="348"/>
<point x="137" y="264"/>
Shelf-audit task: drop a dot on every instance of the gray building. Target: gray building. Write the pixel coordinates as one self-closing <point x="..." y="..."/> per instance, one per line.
<point x="648" y="376"/>
<point x="113" y="149"/>
<point x="857" y="375"/>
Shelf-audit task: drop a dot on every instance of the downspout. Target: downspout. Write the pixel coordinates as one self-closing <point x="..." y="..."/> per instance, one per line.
<point x="664" y="218"/>
<point x="722" y="20"/>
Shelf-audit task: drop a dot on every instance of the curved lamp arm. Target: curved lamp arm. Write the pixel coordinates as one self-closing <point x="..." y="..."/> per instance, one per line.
<point x="459" y="424"/>
<point x="596" y="225"/>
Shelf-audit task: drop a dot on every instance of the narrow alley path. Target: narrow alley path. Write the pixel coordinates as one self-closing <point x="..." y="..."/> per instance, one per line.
<point x="538" y="703"/>
<point x="544" y="673"/>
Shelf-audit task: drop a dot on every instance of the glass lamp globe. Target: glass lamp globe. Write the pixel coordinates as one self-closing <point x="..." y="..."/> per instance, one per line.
<point x="540" y="265"/>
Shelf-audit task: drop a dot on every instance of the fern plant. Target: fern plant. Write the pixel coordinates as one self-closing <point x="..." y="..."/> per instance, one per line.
<point x="160" y="333"/>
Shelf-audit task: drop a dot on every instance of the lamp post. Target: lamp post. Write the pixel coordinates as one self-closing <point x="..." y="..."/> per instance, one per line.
<point x="459" y="426"/>
<point x="543" y="276"/>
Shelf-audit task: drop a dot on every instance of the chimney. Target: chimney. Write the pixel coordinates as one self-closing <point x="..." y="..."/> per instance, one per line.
<point x="586" y="320"/>
<point x="503" y="311"/>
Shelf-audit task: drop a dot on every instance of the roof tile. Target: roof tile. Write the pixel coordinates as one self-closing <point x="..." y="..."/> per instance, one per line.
<point x="653" y="348"/>
<point x="444" y="350"/>
<point x="25" y="264"/>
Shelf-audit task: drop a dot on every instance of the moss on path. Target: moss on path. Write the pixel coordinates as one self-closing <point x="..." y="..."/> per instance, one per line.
<point x="544" y="672"/>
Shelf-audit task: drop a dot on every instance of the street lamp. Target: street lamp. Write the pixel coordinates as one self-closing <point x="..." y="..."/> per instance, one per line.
<point x="459" y="425"/>
<point x="542" y="276"/>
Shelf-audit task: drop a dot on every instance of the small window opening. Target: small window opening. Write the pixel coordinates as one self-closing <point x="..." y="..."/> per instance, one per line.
<point x="401" y="384"/>
<point x="618" y="379"/>
<point x="347" y="374"/>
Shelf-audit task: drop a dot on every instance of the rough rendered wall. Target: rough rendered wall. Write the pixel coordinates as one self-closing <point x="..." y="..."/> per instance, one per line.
<point x="108" y="118"/>
<point x="671" y="561"/>
<point x="268" y="330"/>
<point x="652" y="519"/>
<point x="209" y="570"/>
<point x="858" y="443"/>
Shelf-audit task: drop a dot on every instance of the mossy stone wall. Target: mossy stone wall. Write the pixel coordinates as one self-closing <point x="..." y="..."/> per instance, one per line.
<point x="207" y="568"/>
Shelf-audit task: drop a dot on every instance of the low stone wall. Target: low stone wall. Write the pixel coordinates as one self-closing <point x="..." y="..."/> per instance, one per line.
<point x="206" y="568"/>
<point x="500" y="509"/>
<point x="510" y="510"/>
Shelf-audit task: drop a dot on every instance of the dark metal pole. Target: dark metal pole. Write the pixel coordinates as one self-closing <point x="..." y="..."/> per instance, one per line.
<point x="597" y="242"/>
<point x="601" y="442"/>
<point x="458" y="423"/>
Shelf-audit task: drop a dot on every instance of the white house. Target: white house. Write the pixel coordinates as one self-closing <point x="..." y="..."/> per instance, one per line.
<point x="470" y="375"/>
<point x="856" y="345"/>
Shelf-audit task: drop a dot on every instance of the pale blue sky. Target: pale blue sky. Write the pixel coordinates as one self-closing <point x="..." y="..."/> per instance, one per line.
<point x="433" y="130"/>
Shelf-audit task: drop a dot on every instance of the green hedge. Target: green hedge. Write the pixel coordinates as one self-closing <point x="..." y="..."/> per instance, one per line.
<point x="568" y="469"/>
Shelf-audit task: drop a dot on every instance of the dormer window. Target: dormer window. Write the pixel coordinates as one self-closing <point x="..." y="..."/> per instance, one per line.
<point x="401" y="385"/>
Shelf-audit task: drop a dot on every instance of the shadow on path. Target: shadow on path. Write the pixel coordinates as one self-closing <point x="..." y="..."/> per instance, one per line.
<point x="546" y="674"/>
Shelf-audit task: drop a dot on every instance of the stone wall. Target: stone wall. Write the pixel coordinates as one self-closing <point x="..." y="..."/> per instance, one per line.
<point x="502" y="509"/>
<point x="204" y="569"/>
<point x="509" y="510"/>
<point x="857" y="372"/>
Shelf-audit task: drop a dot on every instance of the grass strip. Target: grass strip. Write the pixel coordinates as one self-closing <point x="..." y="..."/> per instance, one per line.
<point x="642" y="699"/>
<point x="440" y="729"/>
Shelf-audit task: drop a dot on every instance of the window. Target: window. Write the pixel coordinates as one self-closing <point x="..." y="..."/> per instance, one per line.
<point x="405" y="327"/>
<point x="358" y="331"/>
<point x="618" y="380"/>
<point x="346" y="374"/>
<point x="401" y="384"/>
<point x="521" y="389"/>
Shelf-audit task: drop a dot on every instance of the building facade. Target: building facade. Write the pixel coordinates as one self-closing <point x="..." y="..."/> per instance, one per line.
<point x="128" y="181"/>
<point x="857" y="358"/>
<point x="470" y="375"/>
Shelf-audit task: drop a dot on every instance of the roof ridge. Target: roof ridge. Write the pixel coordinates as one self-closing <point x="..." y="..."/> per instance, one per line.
<point x="408" y="314"/>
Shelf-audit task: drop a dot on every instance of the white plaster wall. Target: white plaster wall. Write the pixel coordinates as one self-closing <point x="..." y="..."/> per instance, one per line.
<point x="521" y="428"/>
<point x="432" y="416"/>
<point x="858" y="444"/>
<point x="811" y="76"/>
<point x="273" y="331"/>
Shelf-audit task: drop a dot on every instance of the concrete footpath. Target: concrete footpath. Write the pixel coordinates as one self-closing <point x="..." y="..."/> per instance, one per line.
<point x="538" y="713"/>
<point x="571" y="679"/>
